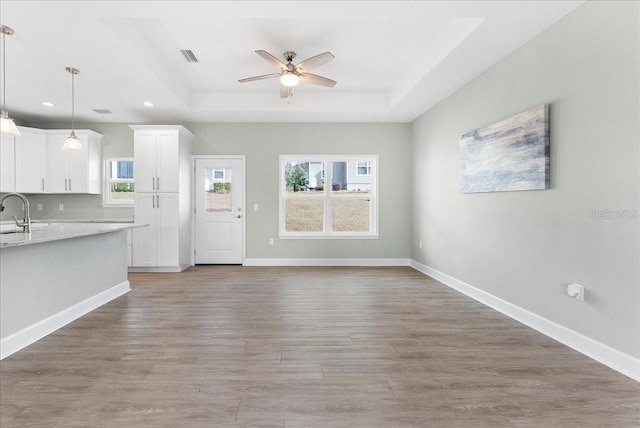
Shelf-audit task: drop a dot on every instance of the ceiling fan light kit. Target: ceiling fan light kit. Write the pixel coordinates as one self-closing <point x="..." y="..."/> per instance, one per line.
<point x="291" y="74"/>
<point x="289" y="79"/>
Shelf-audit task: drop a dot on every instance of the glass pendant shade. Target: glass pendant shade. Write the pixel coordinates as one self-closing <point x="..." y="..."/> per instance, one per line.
<point x="72" y="144"/>
<point x="289" y="79"/>
<point x="7" y="126"/>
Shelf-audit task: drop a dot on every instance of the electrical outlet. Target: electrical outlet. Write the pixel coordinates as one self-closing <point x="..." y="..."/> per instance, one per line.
<point x="255" y="207"/>
<point x="39" y="207"/>
<point x="60" y="207"/>
<point x="420" y="244"/>
<point x="272" y="241"/>
<point x="576" y="291"/>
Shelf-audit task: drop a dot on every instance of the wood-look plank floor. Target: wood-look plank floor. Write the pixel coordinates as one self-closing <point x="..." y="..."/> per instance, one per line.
<point x="230" y="346"/>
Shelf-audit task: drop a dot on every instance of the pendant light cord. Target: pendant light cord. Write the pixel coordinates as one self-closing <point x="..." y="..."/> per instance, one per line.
<point x="4" y="73"/>
<point x="73" y="110"/>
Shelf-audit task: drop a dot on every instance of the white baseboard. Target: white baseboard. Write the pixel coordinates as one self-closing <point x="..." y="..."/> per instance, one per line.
<point x="37" y="331"/>
<point x="610" y="357"/>
<point x="158" y="269"/>
<point x="326" y="262"/>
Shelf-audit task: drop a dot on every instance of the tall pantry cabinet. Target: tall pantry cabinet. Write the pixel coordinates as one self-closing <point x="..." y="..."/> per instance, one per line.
<point x="162" y="165"/>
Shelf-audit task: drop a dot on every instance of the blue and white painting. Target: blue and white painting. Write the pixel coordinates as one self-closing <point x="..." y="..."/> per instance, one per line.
<point x="509" y="155"/>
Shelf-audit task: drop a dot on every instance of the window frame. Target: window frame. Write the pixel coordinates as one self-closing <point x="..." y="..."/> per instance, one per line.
<point x="327" y="195"/>
<point x="367" y="166"/>
<point x="106" y="199"/>
<point x="224" y="174"/>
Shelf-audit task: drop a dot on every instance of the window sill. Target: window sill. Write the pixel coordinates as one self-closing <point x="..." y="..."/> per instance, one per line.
<point x="328" y="236"/>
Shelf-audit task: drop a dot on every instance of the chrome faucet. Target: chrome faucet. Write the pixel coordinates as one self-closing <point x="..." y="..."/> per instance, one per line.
<point x="26" y="222"/>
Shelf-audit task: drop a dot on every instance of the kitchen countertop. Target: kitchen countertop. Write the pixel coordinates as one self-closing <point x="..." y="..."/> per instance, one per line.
<point x="55" y="231"/>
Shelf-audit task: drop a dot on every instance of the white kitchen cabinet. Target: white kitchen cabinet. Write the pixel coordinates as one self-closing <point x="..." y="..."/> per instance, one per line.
<point x="162" y="159"/>
<point x="30" y="157"/>
<point x="158" y="244"/>
<point x="157" y="151"/>
<point x="73" y="172"/>
<point x="7" y="164"/>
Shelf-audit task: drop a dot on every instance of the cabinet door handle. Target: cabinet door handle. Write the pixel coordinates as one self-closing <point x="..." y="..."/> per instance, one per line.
<point x="153" y="201"/>
<point x="153" y="183"/>
<point x="65" y="184"/>
<point x="158" y="182"/>
<point x="158" y="203"/>
<point x="69" y="184"/>
<point x="43" y="184"/>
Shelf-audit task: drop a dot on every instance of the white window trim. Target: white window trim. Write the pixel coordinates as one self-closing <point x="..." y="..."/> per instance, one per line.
<point x="106" y="202"/>
<point x="327" y="196"/>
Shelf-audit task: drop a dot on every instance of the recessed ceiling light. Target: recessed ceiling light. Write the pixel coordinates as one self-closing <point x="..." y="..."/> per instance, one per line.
<point x="47" y="104"/>
<point x="148" y="104"/>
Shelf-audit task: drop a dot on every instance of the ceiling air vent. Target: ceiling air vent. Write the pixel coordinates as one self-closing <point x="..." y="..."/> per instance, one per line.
<point x="102" y="110"/>
<point x="189" y="55"/>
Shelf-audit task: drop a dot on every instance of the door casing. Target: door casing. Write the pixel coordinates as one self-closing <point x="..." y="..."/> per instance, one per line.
<point x="242" y="158"/>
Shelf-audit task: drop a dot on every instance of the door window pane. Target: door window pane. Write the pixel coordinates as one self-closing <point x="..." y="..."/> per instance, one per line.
<point x="350" y="215"/>
<point x="217" y="185"/>
<point x="304" y="215"/>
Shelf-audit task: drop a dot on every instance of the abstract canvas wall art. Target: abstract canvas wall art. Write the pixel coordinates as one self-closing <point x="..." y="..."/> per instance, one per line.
<point x="509" y="155"/>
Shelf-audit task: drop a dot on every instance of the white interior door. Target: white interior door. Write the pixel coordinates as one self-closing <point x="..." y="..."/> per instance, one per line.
<point x="219" y="216"/>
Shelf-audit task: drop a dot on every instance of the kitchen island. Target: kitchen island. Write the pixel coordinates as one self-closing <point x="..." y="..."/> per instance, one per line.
<point x="56" y="274"/>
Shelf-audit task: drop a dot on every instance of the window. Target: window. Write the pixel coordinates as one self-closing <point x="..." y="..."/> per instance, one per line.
<point x="325" y="196"/>
<point x="218" y="174"/>
<point x="363" y="168"/>
<point x="120" y="188"/>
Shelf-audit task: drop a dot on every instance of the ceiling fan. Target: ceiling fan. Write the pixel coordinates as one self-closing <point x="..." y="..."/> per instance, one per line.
<point x="290" y="74"/>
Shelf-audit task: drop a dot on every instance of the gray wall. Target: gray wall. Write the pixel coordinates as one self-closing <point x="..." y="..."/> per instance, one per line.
<point x="525" y="247"/>
<point x="262" y="144"/>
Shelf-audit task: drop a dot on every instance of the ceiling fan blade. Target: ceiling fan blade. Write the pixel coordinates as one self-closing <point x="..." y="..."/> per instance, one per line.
<point x="285" y="91"/>
<point x="315" y="61"/>
<point x="263" y="77"/>
<point x="317" y="80"/>
<point x="272" y="59"/>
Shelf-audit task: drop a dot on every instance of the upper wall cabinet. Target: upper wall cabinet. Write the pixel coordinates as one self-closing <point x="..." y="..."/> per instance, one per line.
<point x="23" y="157"/>
<point x="73" y="172"/>
<point x="157" y="157"/>
<point x="31" y="150"/>
<point x="34" y="162"/>
<point x="7" y="169"/>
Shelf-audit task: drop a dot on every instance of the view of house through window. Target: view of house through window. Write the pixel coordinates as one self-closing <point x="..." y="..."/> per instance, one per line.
<point x="328" y="196"/>
<point x="217" y="185"/>
<point x="120" y="185"/>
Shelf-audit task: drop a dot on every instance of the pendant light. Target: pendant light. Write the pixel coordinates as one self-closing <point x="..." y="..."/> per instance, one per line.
<point x="72" y="144"/>
<point x="7" y="126"/>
